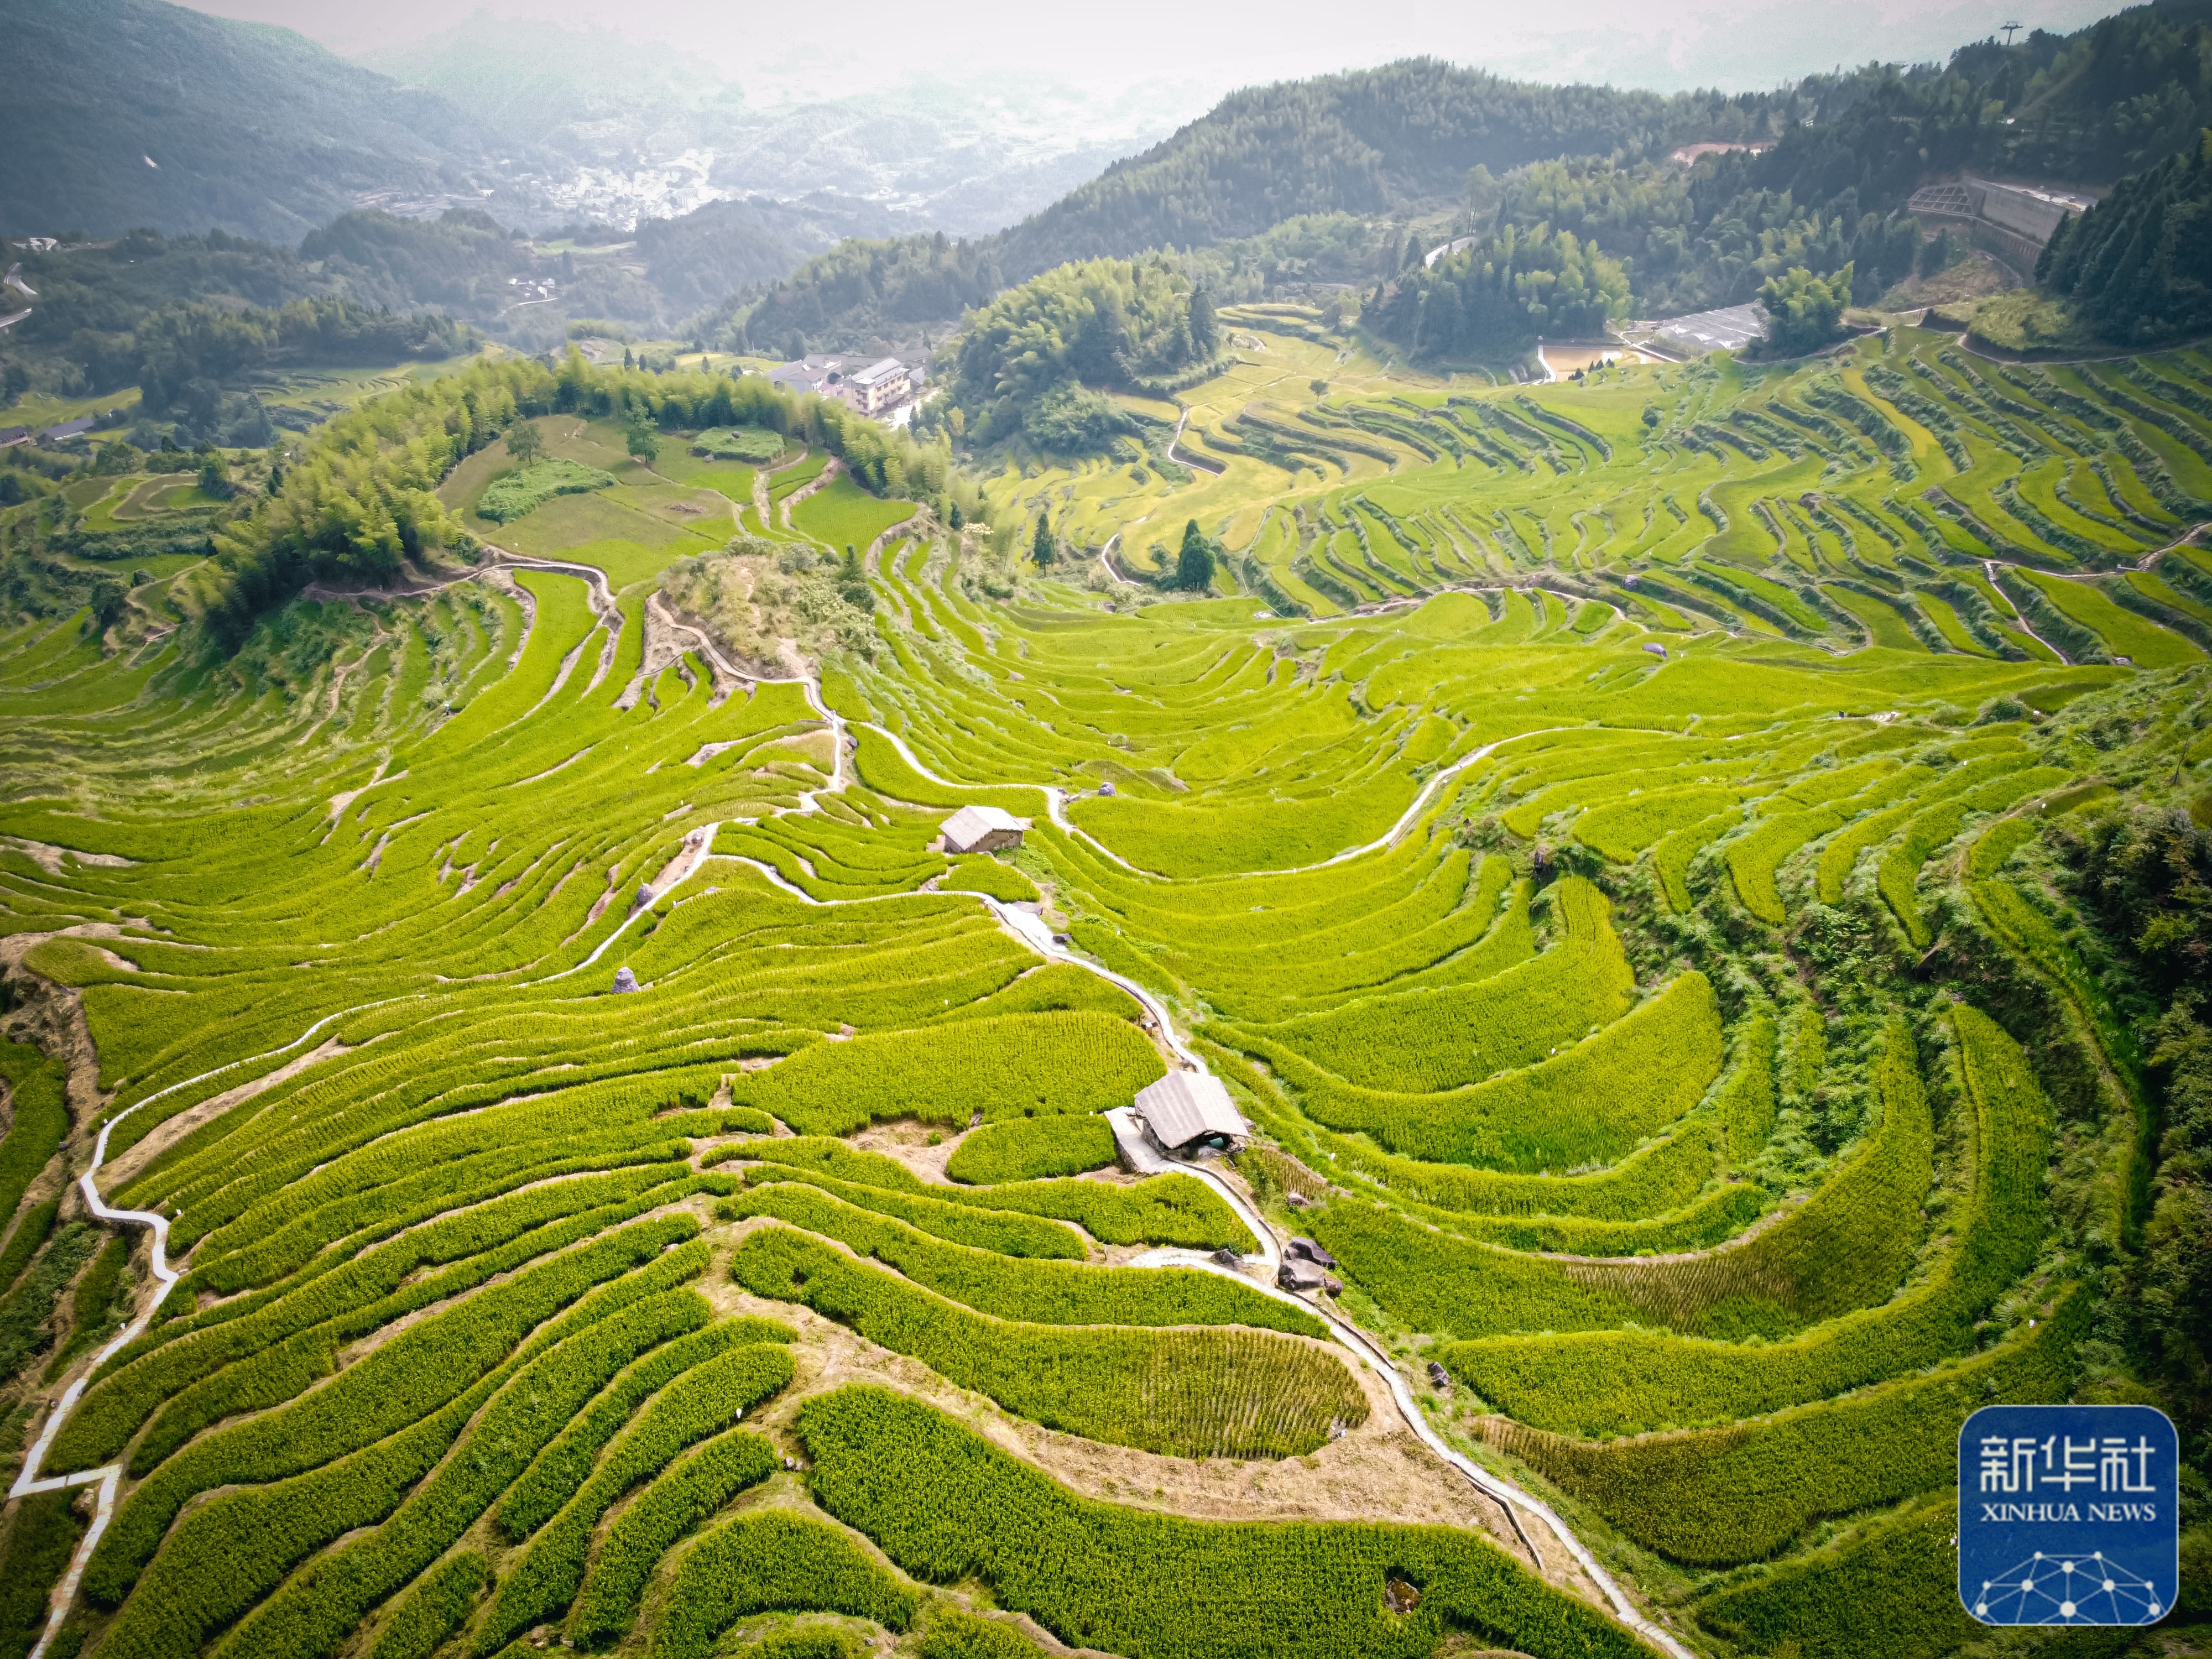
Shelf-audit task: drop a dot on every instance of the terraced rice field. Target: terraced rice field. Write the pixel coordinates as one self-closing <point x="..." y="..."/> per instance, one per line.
<point x="1581" y="845"/>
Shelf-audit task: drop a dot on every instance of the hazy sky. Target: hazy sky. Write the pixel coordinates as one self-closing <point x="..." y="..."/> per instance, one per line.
<point x="1731" y="43"/>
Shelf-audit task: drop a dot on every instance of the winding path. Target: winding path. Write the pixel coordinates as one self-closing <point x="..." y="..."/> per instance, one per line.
<point x="1027" y="927"/>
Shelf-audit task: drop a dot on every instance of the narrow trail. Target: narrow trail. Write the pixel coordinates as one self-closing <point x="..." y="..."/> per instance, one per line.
<point x="1024" y="926"/>
<point x="1991" y="567"/>
<point x="108" y="1476"/>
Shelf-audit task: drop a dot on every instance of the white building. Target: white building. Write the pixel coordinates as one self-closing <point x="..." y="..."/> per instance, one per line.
<point x="881" y="383"/>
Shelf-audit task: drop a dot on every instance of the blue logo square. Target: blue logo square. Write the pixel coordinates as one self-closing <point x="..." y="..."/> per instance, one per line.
<point x="2069" y="1514"/>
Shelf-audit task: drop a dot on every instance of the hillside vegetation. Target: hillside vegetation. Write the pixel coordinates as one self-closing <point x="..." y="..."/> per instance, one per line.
<point x="1692" y="875"/>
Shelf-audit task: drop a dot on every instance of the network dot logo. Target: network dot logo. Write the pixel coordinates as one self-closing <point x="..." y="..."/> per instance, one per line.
<point x="2069" y="1514"/>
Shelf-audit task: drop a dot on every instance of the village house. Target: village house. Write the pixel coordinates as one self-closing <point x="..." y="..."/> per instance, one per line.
<point x="1188" y="1112"/>
<point x="982" y="829"/>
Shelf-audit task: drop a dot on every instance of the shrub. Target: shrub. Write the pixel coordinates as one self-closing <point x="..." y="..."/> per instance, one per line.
<point x="511" y="495"/>
<point x="1031" y="1149"/>
<point x="1225" y="1393"/>
<point x="738" y="443"/>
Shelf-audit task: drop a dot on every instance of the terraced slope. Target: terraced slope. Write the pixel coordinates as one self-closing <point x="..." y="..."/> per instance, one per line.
<point x="1684" y="1049"/>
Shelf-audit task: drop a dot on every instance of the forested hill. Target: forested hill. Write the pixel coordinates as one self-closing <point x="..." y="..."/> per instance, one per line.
<point x="2089" y="107"/>
<point x="128" y="112"/>
<point x="1369" y="140"/>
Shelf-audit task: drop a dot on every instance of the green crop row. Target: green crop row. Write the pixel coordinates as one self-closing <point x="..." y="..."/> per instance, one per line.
<point x="401" y="1382"/>
<point x="1174" y="1208"/>
<point x="1753" y="859"/>
<point x="491" y="1239"/>
<point x="1035" y="1292"/>
<point x="558" y="1472"/>
<point x="1656" y="1180"/>
<point x="1031" y="1149"/>
<point x="1620" y="829"/>
<point x="1219" y="1393"/>
<point x="773" y="1561"/>
<point x="676" y="1502"/>
<point x="1748" y="1094"/>
<point x="1846" y="1247"/>
<point x="947" y="1505"/>
<point x="1007" y="1232"/>
<point x="1887" y="1590"/>
<point x="271" y="1375"/>
<point x="1671" y="859"/>
<point x="249" y="1252"/>
<point x="1593" y="1104"/>
<point x="235" y="1550"/>
<point x="1627" y="1382"/>
<point x="694" y="1407"/>
<point x="1936" y="826"/>
<point x="1428" y="1041"/>
<point x="1019" y="1066"/>
<point x="439" y="1605"/>
<point x="1718" y="1497"/>
<point x="37" y="1096"/>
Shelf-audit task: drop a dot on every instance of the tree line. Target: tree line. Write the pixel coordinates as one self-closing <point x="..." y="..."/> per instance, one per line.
<point x="1026" y="363"/>
<point x="363" y="500"/>
<point x="2137" y="266"/>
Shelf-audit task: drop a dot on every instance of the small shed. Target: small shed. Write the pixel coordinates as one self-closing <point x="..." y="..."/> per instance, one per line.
<point x="982" y="829"/>
<point x="1187" y="1111"/>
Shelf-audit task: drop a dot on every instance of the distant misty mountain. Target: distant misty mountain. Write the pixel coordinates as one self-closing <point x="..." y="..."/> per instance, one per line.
<point x="117" y="113"/>
<point x="650" y="131"/>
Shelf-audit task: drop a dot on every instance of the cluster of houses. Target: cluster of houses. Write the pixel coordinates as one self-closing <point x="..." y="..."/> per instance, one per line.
<point x="12" y="435"/>
<point x="884" y="387"/>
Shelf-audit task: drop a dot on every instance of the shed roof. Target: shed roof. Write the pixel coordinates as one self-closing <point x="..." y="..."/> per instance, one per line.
<point x="971" y="822"/>
<point x="1184" y="1105"/>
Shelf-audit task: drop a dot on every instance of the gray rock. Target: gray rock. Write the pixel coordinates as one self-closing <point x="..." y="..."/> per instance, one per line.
<point x="1439" y="1375"/>
<point x="1227" y="1257"/>
<point x="1311" y="1252"/>
<point x="1299" y="1274"/>
<point x="1107" y="788"/>
<point x="625" y="979"/>
<point x="1297" y="1200"/>
<point x="1655" y="647"/>
<point x="1334" y="1286"/>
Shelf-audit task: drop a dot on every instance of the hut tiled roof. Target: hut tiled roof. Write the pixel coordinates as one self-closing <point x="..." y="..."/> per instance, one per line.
<point x="1185" y="1105"/>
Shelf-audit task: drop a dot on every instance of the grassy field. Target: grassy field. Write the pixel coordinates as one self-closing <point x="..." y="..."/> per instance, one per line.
<point x="1610" y="839"/>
